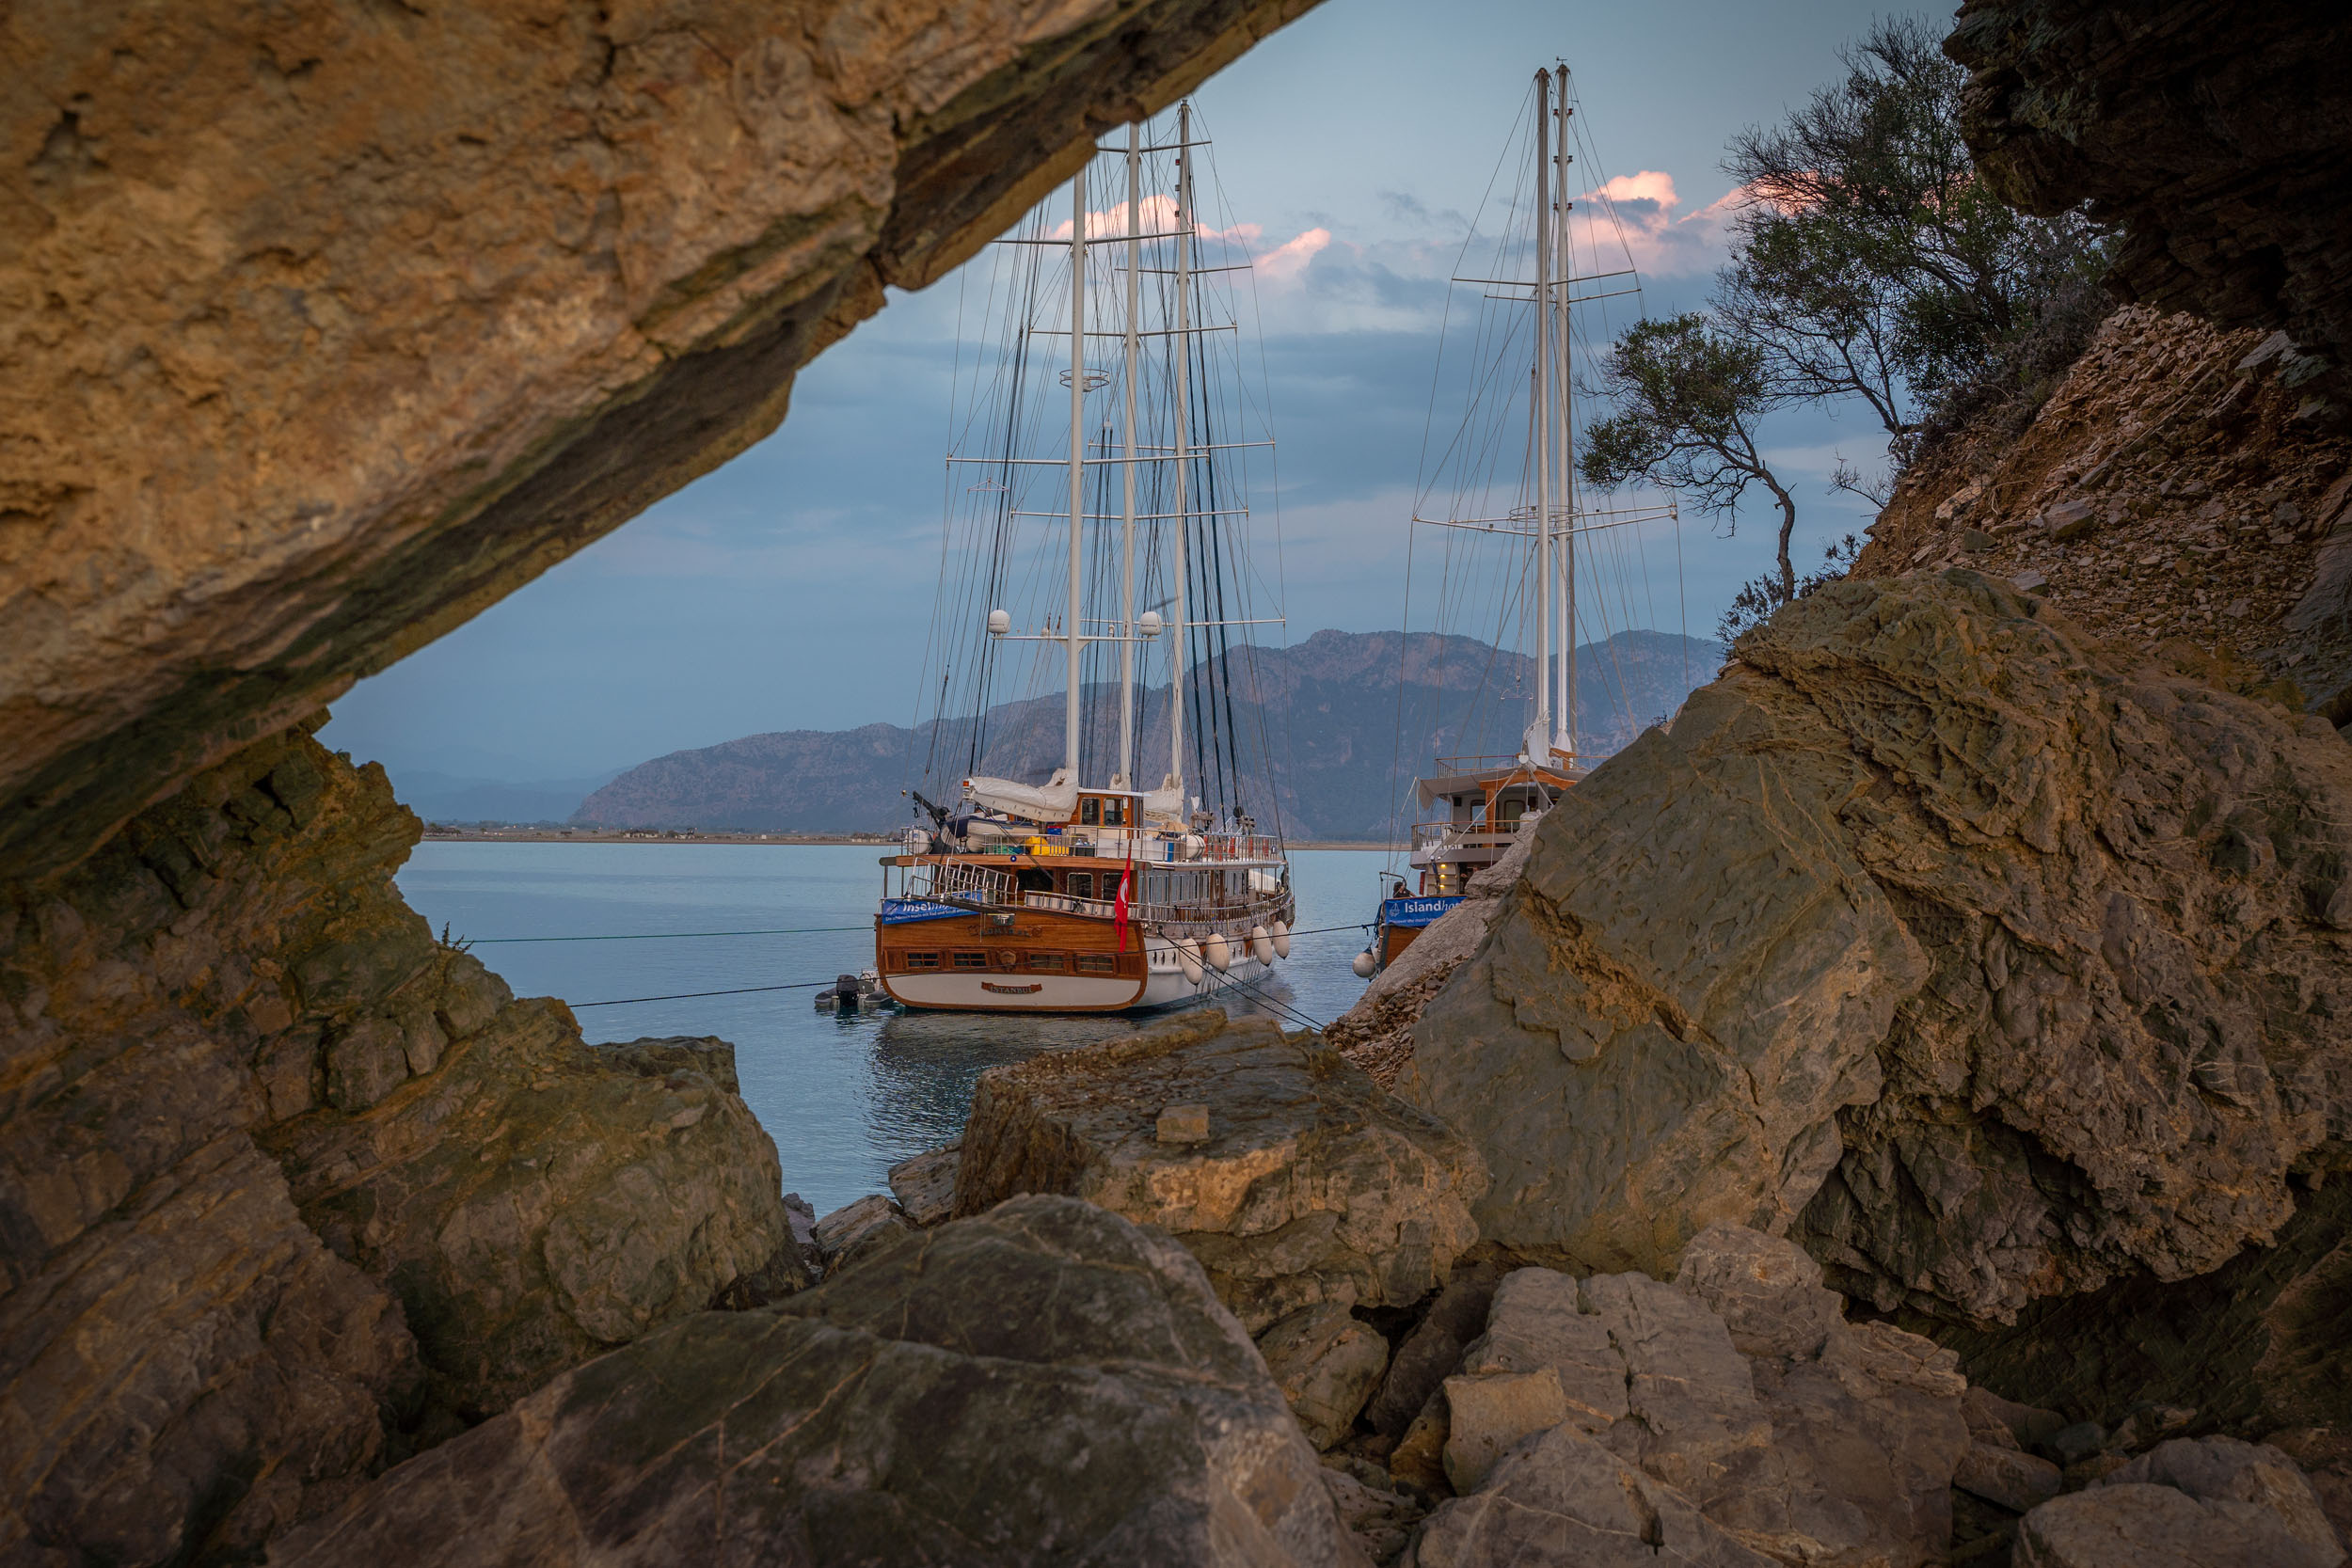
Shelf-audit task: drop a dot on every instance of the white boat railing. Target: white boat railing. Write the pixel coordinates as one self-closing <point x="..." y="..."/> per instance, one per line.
<point x="1168" y="919"/>
<point x="963" y="881"/>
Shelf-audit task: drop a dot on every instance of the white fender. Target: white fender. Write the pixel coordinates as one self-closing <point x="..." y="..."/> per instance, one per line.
<point x="1262" y="945"/>
<point x="1281" y="938"/>
<point x="1365" y="965"/>
<point x="1188" y="958"/>
<point x="1219" y="952"/>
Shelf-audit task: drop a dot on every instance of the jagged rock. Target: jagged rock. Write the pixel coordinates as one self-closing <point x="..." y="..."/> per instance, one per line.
<point x="2141" y="1525"/>
<point x="1813" y="1441"/>
<point x="2215" y="137"/>
<point x="1433" y="1348"/>
<point x="1380" y="1518"/>
<point x="1376" y="1033"/>
<point x="1315" y="1186"/>
<point x="198" y="1331"/>
<point x="1488" y="1415"/>
<point x="1980" y="966"/>
<point x="1044" y="1384"/>
<point x="924" y="1185"/>
<point x="1326" y="1361"/>
<point x="2005" y="1475"/>
<point x="1541" y="1321"/>
<point x="547" y="268"/>
<point x="237" y="1280"/>
<point x="856" y="1227"/>
<point x="1563" y="1501"/>
<point x="1768" y="1292"/>
<point x="2005" y="1423"/>
<point x="2227" y="1470"/>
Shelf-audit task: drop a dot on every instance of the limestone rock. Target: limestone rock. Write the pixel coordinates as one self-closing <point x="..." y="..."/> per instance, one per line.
<point x="1433" y="1349"/>
<point x="1938" y="925"/>
<point x="2228" y="1470"/>
<point x="1380" y="1518"/>
<point x="857" y="1226"/>
<point x="1326" y="1361"/>
<point x="1044" y="1384"/>
<point x="1376" y="1033"/>
<point x="1488" y="1415"/>
<point x="2008" y="1475"/>
<point x="236" y="1281"/>
<point x="2140" y="1525"/>
<point x="538" y="270"/>
<point x="2174" y="130"/>
<point x="924" y="1185"/>
<point x="1829" y="1443"/>
<point x="1767" y="1291"/>
<point x="199" y="1332"/>
<point x="1563" y="1501"/>
<point x="1315" y="1186"/>
<point x="539" y="1201"/>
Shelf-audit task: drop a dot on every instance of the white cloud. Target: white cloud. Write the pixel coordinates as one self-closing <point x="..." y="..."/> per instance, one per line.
<point x="1639" y="215"/>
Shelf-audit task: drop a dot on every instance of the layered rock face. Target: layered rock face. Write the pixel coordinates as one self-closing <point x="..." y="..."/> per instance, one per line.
<point x="287" y="1187"/>
<point x="329" y="327"/>
<point x="1045" y="1384"/>
<point x="1289" y="1174"/>
<point x="2217" y="137"/>
<point x="2010" y="965"/>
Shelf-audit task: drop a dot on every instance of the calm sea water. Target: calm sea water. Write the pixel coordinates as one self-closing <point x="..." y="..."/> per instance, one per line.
<point x="845" y="1098"/>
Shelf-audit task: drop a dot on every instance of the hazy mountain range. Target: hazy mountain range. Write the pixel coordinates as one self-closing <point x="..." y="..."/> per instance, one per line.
<point x="1347" y="723"/>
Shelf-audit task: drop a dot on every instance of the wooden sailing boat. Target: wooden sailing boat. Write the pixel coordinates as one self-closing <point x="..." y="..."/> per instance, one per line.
<point x="1473" y="808"/>
<point x="1084" y="893"/>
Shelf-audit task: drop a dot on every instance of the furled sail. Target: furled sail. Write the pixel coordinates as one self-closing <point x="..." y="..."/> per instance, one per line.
<point x="1048" y="803"/>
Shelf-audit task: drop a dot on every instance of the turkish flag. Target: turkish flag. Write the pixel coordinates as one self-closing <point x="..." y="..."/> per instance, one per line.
<point x="1118" y="906"/>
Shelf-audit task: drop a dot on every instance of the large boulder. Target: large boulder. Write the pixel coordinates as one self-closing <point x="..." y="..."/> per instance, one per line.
<point x="2011" y="964"/>
<point x="1046" y="1383"/>
<point x="328" y="327"/>
<point x="1312" y="1184"/>
<point x="287" y="1187"/>
<point x="2208" y="1503"/>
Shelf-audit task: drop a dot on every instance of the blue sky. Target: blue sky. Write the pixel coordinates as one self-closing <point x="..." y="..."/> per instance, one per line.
<point x="791" y="589"/>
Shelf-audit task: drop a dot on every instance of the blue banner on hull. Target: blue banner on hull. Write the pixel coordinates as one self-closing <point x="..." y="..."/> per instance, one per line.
<point x="1408" y="912"/>
<point x="902" y="911"/>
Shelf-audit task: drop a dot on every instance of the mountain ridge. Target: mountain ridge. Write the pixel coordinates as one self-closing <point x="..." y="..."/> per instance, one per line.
<point x="1328" y="708"/>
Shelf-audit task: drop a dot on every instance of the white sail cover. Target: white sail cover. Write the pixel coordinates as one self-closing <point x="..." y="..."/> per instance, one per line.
<point x="1049" y="803"/>
<point x="1166" y="803"/>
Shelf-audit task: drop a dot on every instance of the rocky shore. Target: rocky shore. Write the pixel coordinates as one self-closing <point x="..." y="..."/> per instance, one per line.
<point x="1895" y="1115"/>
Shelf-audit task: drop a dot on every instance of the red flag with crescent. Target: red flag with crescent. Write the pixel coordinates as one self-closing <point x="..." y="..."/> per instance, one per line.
<point x="1118" y="904"/>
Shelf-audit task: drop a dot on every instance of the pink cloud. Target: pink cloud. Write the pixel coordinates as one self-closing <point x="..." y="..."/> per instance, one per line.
<point x="1644" y="209"/>
<point x="1288" y="259"/>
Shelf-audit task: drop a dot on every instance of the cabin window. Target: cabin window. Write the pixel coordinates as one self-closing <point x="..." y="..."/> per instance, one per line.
<point x="1082" y="884"/>
<point x="971" y="960"/>
<point x="1048" y="963"/>
<point x="919" y="961"/>
<point x="1114" y="813"/>
<point x="1510" y="811"/>
<point x="1090" y="813"/>
<point x="1097" y="963"/>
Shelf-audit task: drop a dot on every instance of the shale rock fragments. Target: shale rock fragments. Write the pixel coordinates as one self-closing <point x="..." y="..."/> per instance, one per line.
<point x="1313" y="1185"/>
<point x="1044" y="1384"/>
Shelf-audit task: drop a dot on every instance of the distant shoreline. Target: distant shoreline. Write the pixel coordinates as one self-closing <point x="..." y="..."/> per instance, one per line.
<point x="440" y="834"/>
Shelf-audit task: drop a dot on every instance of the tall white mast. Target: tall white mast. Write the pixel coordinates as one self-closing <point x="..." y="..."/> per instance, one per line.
<point x="1183" y="414"/>
<point x="1567" y="440"/>
<point x="1538" y="738"/>
<point x="1071" y="638"/>
<point x="1125" y="772"/>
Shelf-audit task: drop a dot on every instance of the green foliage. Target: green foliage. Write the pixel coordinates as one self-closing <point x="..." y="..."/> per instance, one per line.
<point x="1871" y="260"/>
<point x="1689" y="399"/>
<point x="1759" y="598"/>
